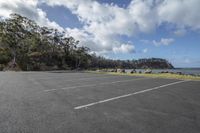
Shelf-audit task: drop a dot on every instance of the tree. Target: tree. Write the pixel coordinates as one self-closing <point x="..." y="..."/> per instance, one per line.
<point x="25" y="44"/>
<point x="14" y="34"/>
<point x="82" y="58"/>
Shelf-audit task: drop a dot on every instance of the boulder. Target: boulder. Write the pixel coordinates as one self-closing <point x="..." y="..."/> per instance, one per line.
<point x="121" y="70"/>
<point x="148" y="71"/>
<point x="114" y="70"/>
<point x="133" y="71"/>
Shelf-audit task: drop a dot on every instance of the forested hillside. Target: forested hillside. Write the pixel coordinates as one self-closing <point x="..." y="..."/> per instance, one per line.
<point x="156" y="63"/>
<point x="32" y="47"/>
<point x="28" y="46"/>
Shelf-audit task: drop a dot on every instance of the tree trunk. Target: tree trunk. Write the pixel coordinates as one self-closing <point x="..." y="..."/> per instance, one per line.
<point x="14" y="64"/>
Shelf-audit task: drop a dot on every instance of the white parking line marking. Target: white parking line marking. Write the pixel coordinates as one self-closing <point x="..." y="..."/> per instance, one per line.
<point x="128" y="95"/>
<point x="91" y="85"/>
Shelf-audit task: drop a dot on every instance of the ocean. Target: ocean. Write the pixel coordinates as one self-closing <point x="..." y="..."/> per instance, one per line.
<point x="193" y="71"/>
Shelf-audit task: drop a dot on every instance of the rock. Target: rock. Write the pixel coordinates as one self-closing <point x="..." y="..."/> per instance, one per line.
<point x="164" y="72"/>
<point x="133" y="71"/>
<point x="121" y="70"/>
<point x="148" y="71"/>
<point x="180" y="73"/>
<point x="114" y="70"/>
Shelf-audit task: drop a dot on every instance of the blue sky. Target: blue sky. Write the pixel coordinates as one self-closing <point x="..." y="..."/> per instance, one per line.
<point x="123" y="29"/>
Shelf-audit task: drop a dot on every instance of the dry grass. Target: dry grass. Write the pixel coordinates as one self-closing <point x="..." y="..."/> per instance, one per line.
<point x="155" y="75"/>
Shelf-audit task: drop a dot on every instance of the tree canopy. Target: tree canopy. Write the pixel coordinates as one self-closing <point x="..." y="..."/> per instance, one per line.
<point x="32" y="47"/>
<point x="25" y="44"/>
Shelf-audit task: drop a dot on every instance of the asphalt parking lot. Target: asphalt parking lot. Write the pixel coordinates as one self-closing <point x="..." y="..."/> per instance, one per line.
<point x="55" y="102"/>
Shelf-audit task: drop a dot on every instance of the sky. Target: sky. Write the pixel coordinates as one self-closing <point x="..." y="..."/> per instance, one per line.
<point x="122" y="29"/>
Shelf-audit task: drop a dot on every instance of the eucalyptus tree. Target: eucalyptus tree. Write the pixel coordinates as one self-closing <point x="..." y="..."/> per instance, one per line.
<point x="82" y="57"/>
<point x="69" y="47"/>
<point x="14" y="32"/>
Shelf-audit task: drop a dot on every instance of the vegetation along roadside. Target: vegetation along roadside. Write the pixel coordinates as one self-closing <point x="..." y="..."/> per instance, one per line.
<point x="24" y="45"/>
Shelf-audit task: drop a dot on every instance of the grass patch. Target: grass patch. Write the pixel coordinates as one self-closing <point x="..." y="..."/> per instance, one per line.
<point x="155" y="75"/>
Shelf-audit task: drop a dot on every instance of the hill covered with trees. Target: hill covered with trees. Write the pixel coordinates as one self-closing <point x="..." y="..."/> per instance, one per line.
<point x="153" y="63"/>
<point x="26" y="45"/>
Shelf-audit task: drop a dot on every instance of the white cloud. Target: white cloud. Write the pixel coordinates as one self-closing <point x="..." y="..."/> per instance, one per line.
<point x="145" y="50"/>
<point x="124" y="48"/>
<point x="104" y="23"/>
<point x="85" y="39"/>
<point x="182" y="13"/>
<point x="180" y="32"/>
<point x="27" y="8"/>
<point x="187" y="61"/>
<point x="145" y="41"/>
<point x="163" y="41"/>
<point x="102" y="41"/>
